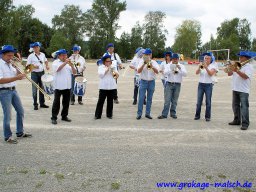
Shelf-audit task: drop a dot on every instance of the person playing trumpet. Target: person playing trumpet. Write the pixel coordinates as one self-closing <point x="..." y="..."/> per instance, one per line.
<point x="108" y="74"/>
<point x="79" y="62"/>
<point x="148" y="69"/>
<point x="168" y="59"/>
<point x="206" y="71"/>
<point x="63" y="69"/>
<point x="9" y="96"/>
<point x="174" y="72"/>
<point x="241" y="82"/>
<point x="37" y="60"/>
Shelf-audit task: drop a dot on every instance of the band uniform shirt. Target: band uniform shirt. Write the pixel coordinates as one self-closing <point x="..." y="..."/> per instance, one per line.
<point x="175" y="77"/>
<point x="32" y="59"/>
<point x="107" y="82"/>
<point x="146" y="74"/>
<point x="243" y="85"/>
<point x="135" y="63"/>
<point x="7" y="71"/>
<point x="62" y="78"/>
<point x="79" y="59"/>
<point x="162" y="68"/>
<point x="204" y="76"/>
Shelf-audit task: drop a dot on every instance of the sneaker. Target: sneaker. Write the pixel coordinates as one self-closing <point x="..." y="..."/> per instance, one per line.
<point x="23" y="135"/>
<point x="11" y="140"/>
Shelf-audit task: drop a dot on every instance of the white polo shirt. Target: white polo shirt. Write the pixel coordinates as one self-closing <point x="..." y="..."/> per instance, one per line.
<point x="32" y="59"/>
<point x="242" y="85"/>
<point x="62" y="79"/>
<point x="107" y="82"/>
<point x="204" y="76"/>
<point x="7" y="71"/>
<point x="175" y="77"/>
<point x="162" y="68"/>
<point x="146" y="74"/>
<point x="135" y="63"/>
<point x="78" y="59"/>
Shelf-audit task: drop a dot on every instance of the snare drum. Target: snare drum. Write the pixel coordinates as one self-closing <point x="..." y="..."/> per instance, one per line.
<point x="47" y="80"/>
<point x="79" y="86"/>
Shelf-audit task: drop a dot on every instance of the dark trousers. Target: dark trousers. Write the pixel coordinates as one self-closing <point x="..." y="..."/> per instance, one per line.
<point x="36" y="77"/>
<point x="115" y="97"/>
<point x="56" y="103"/>
<point x="136" y="90"/>
<point x="240" y="105"/>
<point x="102" y="96"/>
<point x="80" y="98"/>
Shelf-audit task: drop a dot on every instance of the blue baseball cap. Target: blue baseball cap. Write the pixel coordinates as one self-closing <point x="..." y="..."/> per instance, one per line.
<point x="36" y="44"/>
<point x="8" y="48"/>
<point x="147" y="51"/>
<point x="76" y="48"/>
<point x="110" y="45"/>
<point x="61" y="51"/>
<point x="244" y="54"/>
<point x="175" y="56"/>
<point x="168" y="53"/>
<point x="210" y="54"/>
<point x="105" y="57"/>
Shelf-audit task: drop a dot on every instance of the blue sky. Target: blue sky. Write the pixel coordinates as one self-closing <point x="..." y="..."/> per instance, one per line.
<point x="210" y="13"/>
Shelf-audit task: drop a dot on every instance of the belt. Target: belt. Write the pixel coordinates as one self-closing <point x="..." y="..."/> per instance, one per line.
<point x="8" y="88"/>
<point x="173" y="82"/>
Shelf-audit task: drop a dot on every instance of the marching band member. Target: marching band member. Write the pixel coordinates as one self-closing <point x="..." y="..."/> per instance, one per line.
<point x="148" y="69"/>
<point x="241" y="88"/>
<point x="38" y="60"/>
<point x="107" y="86"/>
<point x="80" y="67"/>
<point x="174" y="72"/>
<point x="9" y="96"/>
<point x="168" y="59"/>
<point x="134" y="65"/>
<point x="206" y="71"/>
<point x="114" y="57"/>
<point x="63" y="69"/>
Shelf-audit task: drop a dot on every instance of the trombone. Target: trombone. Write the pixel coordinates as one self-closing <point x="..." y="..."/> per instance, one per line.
<point x="230" y="65"/>
<point x="27" y="70"/>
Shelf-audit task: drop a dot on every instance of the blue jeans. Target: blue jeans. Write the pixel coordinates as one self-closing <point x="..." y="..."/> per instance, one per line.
<point x="36" y="77"/>
<point x="149" y="87"/>
<point x="240" y="105"/>
<point x="7" y="99"/>
<point x="171" y="96"/>
<point x="204" y="88"/>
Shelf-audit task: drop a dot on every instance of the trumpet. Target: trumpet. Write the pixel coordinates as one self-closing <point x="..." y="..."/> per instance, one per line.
<point x="147" y="61"/>
<point x="29" y="68"/>
<point x="26" y="72"/>
<point x="176" y="69"/>
<point x="231" y="65"/>
<point x="113" y="72"/>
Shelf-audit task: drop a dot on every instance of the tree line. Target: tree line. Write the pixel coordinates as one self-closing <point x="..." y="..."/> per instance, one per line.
<point x="99" y="25"/>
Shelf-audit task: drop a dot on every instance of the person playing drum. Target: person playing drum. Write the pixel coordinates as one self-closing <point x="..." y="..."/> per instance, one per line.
<point x="79" y="63"/>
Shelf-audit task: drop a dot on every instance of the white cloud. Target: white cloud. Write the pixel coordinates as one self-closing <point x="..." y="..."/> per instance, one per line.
<point x="209" y="13"/>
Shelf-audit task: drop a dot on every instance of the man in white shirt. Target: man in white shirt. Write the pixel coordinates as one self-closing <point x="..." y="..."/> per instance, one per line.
<point x="134" y="65"/>
<point x="174" y="71"/>
<point x="107" y="73"/>
<point x="168" y="59"/>
<point x="114" y="57"/>
<point x="80" y="67"/>
<point x="63" y="70"/>
<point x="205" y="86"/>
<point x="38" y="60"/>
<point x="148" y="69"/>
<point x="241" y="82"/>
<point x="9" y="96"/>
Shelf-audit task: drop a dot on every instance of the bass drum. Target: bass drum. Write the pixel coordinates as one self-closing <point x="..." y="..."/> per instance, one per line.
<point x="79" y="86"/>
<point x="47" y="80"/>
